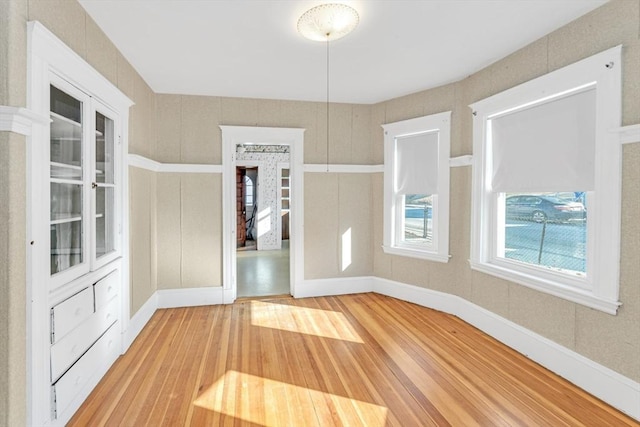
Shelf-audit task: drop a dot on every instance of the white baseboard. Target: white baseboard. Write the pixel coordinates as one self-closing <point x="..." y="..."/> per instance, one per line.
<point x="138" y="321"/>
<point x="190" y="297"/>
<point x="440" y="301"/>
<point x="335" y="286"/>
<point x="615" y="389"/>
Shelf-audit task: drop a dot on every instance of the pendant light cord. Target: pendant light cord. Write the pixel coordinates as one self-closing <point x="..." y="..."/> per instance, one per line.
<point x="327" y="102"/>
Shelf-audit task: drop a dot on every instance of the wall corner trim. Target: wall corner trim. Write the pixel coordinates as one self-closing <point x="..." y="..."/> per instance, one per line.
<point x="142" y="162"/>
<point x="19" y="120"/>
<point x="337" y="168"/>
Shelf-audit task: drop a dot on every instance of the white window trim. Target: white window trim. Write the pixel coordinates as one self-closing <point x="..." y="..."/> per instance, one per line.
<point x="439" y="251"/>
<point x="601" y="287"/>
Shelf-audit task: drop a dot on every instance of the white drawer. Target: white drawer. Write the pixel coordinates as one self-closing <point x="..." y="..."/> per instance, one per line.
<point x="67" y="350"/>
<point x="71" y="312"/>
<point x="72" y="382"/>
<point x="107" y="288"/>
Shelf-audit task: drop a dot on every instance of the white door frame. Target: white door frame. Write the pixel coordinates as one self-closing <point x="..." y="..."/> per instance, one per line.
<point x="231" y="137"/>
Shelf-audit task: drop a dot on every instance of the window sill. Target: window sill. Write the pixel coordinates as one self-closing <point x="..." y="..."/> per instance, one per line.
<point x="413" y="253"/>
<point x="558" y="289"/>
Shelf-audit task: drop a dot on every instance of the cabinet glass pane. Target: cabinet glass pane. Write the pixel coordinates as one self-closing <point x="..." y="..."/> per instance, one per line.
<point x="66" y="181"/>
<point x="66" y="201"/>
<point x="66" y="130"/>
<point x="104" y="149"/>
<point x="105" y="224"/>
<point x="66" y="245"/>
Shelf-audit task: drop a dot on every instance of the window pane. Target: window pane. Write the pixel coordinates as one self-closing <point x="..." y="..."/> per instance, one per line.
<point x="417" y="223"/>
<point x="248" y="188"/>
<point x="546" y="229"/>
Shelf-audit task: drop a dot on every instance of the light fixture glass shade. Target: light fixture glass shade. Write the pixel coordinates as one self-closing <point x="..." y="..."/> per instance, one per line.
<point x="328" y="22"/>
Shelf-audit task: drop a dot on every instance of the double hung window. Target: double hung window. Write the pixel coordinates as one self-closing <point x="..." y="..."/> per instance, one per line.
<point x="417" y="187"/>
<point x="546" y="190"/>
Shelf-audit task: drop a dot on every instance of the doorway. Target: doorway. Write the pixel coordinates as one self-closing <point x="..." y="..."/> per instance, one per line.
<point x="268" y="223"/>
<point x="262" y="254"/>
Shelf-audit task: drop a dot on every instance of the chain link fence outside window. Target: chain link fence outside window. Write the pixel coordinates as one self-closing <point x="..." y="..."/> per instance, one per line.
<point x="545" y="229"/>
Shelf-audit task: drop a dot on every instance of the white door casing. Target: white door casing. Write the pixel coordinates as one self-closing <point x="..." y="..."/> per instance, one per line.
<point x="231" y="137"/>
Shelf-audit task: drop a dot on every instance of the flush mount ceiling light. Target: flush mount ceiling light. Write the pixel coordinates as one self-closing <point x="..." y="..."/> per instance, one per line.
<point x="328" y="22"/>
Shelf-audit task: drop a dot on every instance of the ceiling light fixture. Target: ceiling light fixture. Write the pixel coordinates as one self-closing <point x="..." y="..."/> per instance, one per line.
<point x="328" y="22"/>
<point x="325" y="23"/>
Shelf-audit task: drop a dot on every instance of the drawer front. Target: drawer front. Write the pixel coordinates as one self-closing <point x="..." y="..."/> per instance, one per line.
<point x="67" y="350"/>
<point x="73" y="381"/>
<point x="71" y="312"/>
<point x="106" y="289"/>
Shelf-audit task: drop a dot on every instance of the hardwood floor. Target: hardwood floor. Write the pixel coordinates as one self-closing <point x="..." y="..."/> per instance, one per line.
<point x="354" y="360"/>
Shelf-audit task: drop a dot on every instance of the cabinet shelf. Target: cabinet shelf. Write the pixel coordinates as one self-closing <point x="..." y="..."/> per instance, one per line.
<point x="66" y="166"/>
<point x="55" y="116"/>
<point x="64" y="130"/>
<point x="66" y="181"/>
<point x="65" y="171"/>
<point x="65" y="219"/>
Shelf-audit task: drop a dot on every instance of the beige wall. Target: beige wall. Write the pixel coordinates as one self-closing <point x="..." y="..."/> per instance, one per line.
<point x="613" y="341"/>
<point x="189" y="230"/>
<point x="190" y="206"/>
<point x="12" y="220"/>
<point x="12" y="279"/>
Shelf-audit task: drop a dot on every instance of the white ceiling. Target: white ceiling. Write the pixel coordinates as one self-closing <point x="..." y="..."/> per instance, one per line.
<point x="250" y="48"/>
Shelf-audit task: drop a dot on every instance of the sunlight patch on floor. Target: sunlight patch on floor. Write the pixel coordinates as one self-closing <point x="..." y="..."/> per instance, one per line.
<point x="303" y="320"/>
<point x="267" y="402"/>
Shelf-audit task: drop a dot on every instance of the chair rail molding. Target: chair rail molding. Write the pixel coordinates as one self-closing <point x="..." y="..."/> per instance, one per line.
<point x="628" y="134"/>
<point x="19" y="120"/>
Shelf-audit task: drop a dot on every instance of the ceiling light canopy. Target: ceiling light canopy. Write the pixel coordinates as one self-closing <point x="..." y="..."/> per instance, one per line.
<point x="328" y="22"/>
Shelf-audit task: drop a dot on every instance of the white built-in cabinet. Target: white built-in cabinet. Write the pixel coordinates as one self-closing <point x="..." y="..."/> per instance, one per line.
<point x="77" y="254"/>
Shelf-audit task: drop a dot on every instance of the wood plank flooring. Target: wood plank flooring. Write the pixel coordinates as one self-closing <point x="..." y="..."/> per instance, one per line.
<point x="354" y="360"/>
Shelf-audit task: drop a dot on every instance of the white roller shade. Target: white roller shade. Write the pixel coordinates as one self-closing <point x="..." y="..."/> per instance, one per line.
<point x="417" y="164"/>
<point x="549" y="147"/>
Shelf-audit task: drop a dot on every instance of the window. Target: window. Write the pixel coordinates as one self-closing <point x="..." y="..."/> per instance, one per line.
<point x="546" y="190"/>
<point x="248" y="195"/>
<point x="416" y="187"/>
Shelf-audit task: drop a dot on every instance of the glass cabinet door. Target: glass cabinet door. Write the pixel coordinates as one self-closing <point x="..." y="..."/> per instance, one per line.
<point x="104" y="186"/>
<point x="66" y="181"/>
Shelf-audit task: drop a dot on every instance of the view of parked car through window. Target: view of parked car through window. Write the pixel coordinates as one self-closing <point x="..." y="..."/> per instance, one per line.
<point x="546" y="229"/>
